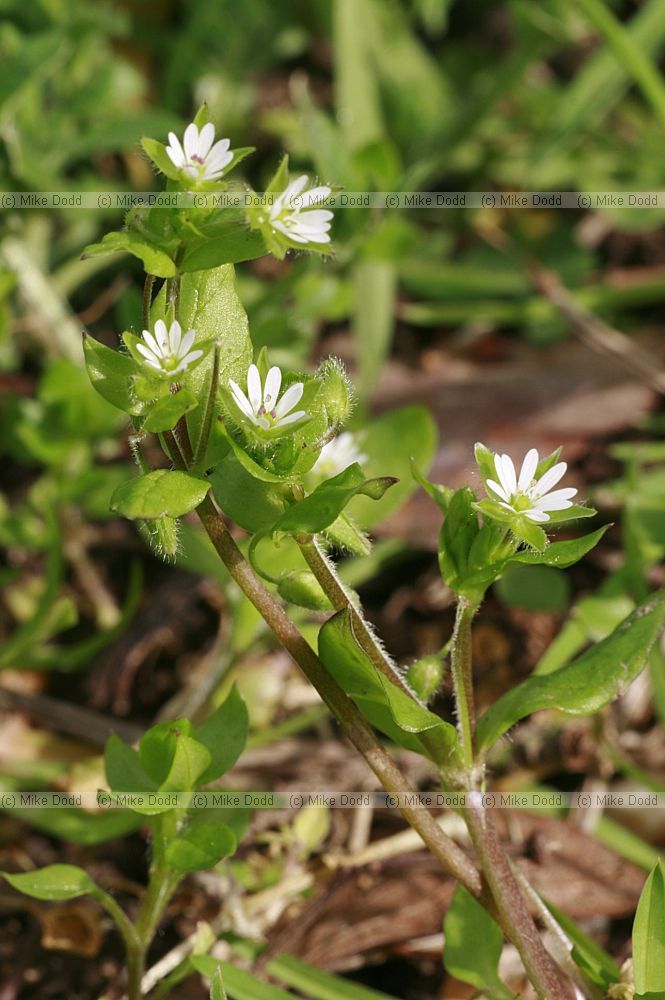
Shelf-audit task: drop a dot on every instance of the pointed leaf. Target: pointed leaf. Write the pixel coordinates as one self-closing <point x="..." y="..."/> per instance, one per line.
<point x="473" y="945"/>
<point x="200" y="847"/>
<point x="111" y="374"/>
<point x="586" y="684"/>
<point x="155" y="260"/>
<point x="166" y="413"/>
<point x="53" y="882"/>
<point x="324" y="505"/>
<point x="648" y="939"/>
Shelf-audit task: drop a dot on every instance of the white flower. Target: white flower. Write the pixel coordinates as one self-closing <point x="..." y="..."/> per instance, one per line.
<point x="526" y="495"/>
<point x="293" y="213"/>
<point x="338" y="455"/>
<point x="168" y="351"/>
<point x="200" y="160"/>
<point x="260" y="404"/>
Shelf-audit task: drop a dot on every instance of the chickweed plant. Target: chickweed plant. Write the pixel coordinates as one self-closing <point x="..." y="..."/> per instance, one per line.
<point x="248" y="443"/>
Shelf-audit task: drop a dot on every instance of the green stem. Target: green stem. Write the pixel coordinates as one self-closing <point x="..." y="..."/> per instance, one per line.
<point x="463" y="682"/>
<point x="147" y="299"/>
<point x="340" y="598"/>
<point x="204" y="435"/>
<point x="161" y="886"/>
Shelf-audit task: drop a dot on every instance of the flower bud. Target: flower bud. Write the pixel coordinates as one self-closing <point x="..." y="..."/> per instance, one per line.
<point x="336" y="392"/>
<point x="425" y="676"/>
<point x="302" y="588"/>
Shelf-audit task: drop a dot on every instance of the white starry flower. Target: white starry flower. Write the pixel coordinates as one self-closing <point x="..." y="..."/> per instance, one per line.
<point x="168" y="351"/>
<point x="262" y="404"/>
<point x="526" y="495"/>
<point x="337" y="455"/>
<point x="200" y="159"/>
<point x="295" y="215"/>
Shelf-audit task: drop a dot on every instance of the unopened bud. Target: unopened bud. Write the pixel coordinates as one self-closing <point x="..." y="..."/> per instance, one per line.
<point x="425" y="676"/>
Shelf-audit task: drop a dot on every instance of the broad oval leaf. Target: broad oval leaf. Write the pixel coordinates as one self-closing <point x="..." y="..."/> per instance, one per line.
<point x="111" y="372"/>
<point x="161" y="493"/>
<point x="224" y="736"/>
<point x="173" y="757"/>
<point x="53" y="882"/>
<point x="586" y="684"/>
<point x="473" y="945"/>
<point x="200" y="847"/>
<point x="648" y="939"/>
<point x="324" y="505"/>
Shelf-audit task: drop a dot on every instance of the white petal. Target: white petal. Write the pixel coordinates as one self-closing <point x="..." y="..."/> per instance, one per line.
<point x="262" y="422"/>
<point x="149" y="355"/>
<point x="161" y="336"/>
<point x="241" y="399"/>
<point x="206" y="139"/>
<point x="293" y="189"/>
<point x="536" y="515"/>
<point x="175" y="151"/>
<point x="175" y="336"/>
<point x="191" y="141"/>
<point x="528" y="470"/>
<point x="278" y="224"/>
<point x="187" y="342"/>
<point x="254" y="388"/>
<point x="271" y="387"/>
<point x="508" y="506"/>
<point x="558" y="500"/>
<point x="291" y="398"/>
<point x="188" y="360"/>
<point x="152" y="343"/>
<point x="219" y="155"/>
<point x="499" y="490"/>
<point x="290" y="419"/>
<point x="506" y="473"/>
<point x="316" y="217"/>
<point x="316" y="195"/>
<point x="549" y="479"/>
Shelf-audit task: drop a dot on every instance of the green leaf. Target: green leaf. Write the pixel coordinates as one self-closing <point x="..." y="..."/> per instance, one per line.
<point x="157" y="153"/>
<point x="596" y="963"/>
<point x="217" y="991"/>
<point x="53" y="882"/>
<point x="200" y="847"/>
<point x="240" y="985"/>
<point x="586" y="684"/>
<point x="166" y="413"/>
<point x="111" y="374"/>
<point x="155" y="261"/>
<point x="224" y="735"/>
<point x="236" y="244"/>
<point x="124" y="770"/>
<point x="473" y="945"/>
<point x="173" y="757"/>
<point x="385" y="705"/>
<point x="253" y="504"/>
<point x="648" y="940"/>
<point x="324" y="505"/>
<point x="161" y="493"/>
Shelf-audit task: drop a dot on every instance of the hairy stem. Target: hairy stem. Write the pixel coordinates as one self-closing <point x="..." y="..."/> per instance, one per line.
<point x="147" y="299"/>
<point x="356" y="728"/>
<point x="461" y="669"/>
<point x="340" y="598"/>
<point x="204" y="435"/>
<point x="512" y="907"/>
